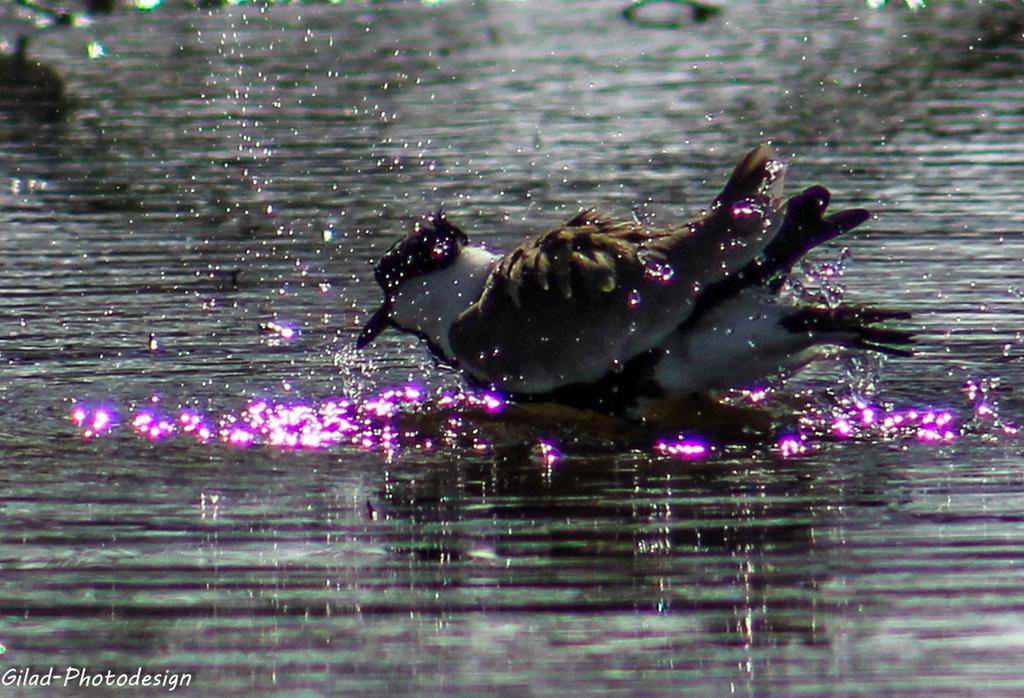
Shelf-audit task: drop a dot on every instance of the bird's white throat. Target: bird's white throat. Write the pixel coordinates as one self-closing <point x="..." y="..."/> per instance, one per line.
<point x="429" y="304"/>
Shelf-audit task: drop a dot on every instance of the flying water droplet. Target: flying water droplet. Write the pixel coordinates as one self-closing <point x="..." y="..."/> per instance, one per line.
<point x="745" y="209"/>
<point x="656" y="268"/>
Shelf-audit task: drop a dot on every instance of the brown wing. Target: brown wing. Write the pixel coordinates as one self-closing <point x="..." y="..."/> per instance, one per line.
<point x="579" y="301"/>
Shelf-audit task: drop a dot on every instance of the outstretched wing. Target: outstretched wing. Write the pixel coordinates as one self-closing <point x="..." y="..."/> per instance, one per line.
<point x="573" y="304"/>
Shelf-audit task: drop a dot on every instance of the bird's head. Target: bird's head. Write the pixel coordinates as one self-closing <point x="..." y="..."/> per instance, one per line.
<point x="434" y="244"/>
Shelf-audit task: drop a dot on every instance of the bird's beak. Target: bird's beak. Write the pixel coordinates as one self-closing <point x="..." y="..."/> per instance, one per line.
<point x="376" y="324"/>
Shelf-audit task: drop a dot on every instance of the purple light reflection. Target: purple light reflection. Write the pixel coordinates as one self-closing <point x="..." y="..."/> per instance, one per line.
<point x="860" y="420"/>
<point x="378" y="422"/>
<point x="745" y="209"/>
<point x="550" y="455"/>
<point x="756" y="396"/>
<point x="682" y="447"/>
<point x="489" y="402"/>
<point x="101" y="421"/>
<point x="659" y="272"/>
<point x="193" y="423"/>
<point x="842" y="428"/>
<point x="284" y="331"/>
<point x="237" y="436"/>
<point x="93" y="423"/>
<point x="792" y="445"/>
<point x="153" y="426"/>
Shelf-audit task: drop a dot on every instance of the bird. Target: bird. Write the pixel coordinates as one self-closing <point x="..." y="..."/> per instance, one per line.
<point x="618" y="317"/>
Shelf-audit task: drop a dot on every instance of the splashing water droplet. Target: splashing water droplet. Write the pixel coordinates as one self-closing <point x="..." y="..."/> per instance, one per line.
<point x="745" y="209"/>
<point x="655" y="267"/>
<point x="820" y="283"/>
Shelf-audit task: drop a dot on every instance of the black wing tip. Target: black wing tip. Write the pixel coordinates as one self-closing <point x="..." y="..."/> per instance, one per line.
<point x="752" y="176"/>
<point x="902" y="352"/>
<point x="859" y="327"/>
<point x="804" y="227"/>
<point x="885" y="338"/>
<point x="805" y="218"/>
<point x="849" y="219"/>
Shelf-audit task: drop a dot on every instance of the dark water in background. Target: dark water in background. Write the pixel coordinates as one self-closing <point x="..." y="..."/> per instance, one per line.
<point x="213" y="148"/>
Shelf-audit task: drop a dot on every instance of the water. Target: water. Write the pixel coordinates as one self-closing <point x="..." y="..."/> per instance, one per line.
<point x="226" y="174"/>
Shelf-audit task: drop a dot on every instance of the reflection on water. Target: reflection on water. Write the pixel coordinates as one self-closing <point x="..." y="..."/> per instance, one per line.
<point x="186" y="262"/>
<point x="407" y="418"/>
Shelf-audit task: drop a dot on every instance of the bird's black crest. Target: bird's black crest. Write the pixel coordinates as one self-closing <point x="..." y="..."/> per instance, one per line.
<point x="433" y="244"/>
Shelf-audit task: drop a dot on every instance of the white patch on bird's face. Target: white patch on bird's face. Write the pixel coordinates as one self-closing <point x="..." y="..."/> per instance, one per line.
<point x="430" y="303"/>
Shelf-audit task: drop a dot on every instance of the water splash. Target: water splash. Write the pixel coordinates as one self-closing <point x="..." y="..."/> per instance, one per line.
<point x="820" y="283"/>
<point x="408" y="417"/>
<point x="856" y="418"/>
<point x="371" y="423"/>
<point x="986" y="413"/>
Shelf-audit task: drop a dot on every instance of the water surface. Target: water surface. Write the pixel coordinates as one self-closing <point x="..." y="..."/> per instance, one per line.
<point x="222" y="170"/>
